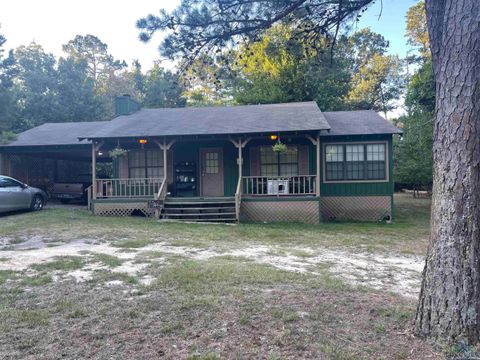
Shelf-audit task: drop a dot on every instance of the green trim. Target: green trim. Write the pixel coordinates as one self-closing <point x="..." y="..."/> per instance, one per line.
<point x="280" y="199"/>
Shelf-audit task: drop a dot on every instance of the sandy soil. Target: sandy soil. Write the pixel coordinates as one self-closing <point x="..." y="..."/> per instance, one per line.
<point x="397" y="273"/>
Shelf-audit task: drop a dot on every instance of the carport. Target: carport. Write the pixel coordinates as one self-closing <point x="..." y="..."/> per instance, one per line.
<point x="50" y="153"/>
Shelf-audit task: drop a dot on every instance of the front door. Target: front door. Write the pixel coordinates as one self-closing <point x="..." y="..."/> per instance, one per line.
<point x="211" y="167"/>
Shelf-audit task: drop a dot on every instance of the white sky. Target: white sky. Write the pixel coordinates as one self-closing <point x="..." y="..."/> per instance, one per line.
<point x="52" y="23"/>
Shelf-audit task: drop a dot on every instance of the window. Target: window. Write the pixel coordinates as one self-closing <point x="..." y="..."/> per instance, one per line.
<point x="145" y="164"/>
<point x="354" y="165"/>
<point x="355" y="162"/>
<point x="278" y="164"/>
<point x="211" y="163"/>
<point x="9" y="183"/>
<point x="376" y="161"/>
<point x="334" y="157"/>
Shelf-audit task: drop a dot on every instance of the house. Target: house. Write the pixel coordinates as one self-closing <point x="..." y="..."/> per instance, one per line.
<point x="259" y="163"/>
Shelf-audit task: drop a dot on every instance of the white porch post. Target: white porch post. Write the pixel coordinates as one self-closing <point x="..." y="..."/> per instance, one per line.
<point x="240" y="160"/>
<point x="165" y="159"/>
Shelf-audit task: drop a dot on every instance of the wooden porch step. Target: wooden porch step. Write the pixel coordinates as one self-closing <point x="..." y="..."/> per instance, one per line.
<point x="218" y="220"/>
<point x="205" y="204"/>
<point x="224" y="214"/>
<point x="198" y="201"/>
<point x="216" y="208"/>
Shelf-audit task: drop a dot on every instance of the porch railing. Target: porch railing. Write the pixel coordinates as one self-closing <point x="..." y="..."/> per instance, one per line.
<point x="279" y="186"/>
<point x="128" y="188"/>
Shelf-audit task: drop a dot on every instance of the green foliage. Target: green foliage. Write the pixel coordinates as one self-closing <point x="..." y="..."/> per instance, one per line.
<point x="376" y="84"/>
<point x="117" y="152"/>
<point x="162" y="89"/>
<point x="414" y="158"/>
<point x="279" y="147"/>
<point x="199" y="27"/>
<point x="6" y="137"/>
<point x="420" y="95"/>
<point x="413" y="151"/>
<point x="417" y="30"/>
<point x="89" y="48"/>
<point x="7" y="74"/>
<point x="376" y="78"/>
<point x="280" y="68"/>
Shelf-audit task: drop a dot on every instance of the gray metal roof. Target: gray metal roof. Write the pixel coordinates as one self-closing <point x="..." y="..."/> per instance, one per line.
<point x="50" y="134"/>
<point x="359" y="122"/>
<point x="243" y="119"/>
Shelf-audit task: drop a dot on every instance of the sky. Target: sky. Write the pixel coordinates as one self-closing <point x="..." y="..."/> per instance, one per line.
<point x="52" y="23"/>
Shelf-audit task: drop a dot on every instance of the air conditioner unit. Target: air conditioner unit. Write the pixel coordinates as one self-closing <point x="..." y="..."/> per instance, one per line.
<point x="277" y="187"/>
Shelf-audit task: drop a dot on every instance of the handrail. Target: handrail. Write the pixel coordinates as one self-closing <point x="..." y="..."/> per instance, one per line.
<point x="238" y="198"/>
<point x="128" y="187"/>
<point x="162" y="193"/>
<point x="279" y="185"/>
<point x="89" y="191"/>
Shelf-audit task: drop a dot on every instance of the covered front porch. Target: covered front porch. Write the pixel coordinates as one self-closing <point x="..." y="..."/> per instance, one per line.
<point x="224" y="178"/>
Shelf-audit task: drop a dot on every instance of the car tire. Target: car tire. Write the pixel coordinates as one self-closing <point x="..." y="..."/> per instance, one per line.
<point x="37" y="203"/>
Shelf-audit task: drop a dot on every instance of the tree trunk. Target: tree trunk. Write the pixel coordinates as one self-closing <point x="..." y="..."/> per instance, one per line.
<point x="449" y="304"/>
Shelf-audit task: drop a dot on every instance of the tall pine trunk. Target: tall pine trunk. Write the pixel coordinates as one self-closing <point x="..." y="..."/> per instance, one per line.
<point x="449" y="304"/>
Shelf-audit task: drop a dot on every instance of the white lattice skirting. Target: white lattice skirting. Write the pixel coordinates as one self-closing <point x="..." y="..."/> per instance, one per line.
<point x="280" y="211"/>
<point x="123" y="209"/>
<point x="359" y="208"/>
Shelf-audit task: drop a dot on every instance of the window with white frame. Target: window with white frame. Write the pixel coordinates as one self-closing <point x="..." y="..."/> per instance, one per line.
<point x="145" y="163"/>
<point x="355" y="162"/>
<point x="334" y="161"/>
<point x="278" y="164"/>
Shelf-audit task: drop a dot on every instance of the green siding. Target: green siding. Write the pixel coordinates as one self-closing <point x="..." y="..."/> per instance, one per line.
<point x="359" y="188"/>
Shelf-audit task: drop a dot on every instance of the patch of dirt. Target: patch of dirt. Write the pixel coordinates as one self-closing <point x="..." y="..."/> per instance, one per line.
<point x="400" y="274"/>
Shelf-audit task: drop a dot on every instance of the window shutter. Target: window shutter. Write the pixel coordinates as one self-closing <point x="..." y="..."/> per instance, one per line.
<point x="303" y="164"/>
<point x="254" y="161"/>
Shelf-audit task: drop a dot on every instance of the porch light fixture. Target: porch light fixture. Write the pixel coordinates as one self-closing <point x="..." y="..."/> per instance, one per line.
<point x="273" y="137"/>
<point x="143" y="141"/>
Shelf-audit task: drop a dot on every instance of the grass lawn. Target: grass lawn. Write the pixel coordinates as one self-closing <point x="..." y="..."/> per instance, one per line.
<point x="73" y="285"/>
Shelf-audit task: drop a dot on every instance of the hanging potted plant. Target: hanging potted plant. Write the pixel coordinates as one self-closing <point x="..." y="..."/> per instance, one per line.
<point x="279" y="147"/>
<point x="117" y="152"/>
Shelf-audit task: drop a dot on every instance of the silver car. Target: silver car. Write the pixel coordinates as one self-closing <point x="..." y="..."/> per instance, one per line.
<point x="15" y="195"/>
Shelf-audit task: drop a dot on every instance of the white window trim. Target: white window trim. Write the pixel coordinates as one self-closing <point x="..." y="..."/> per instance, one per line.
<point x="360" y="181"/>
